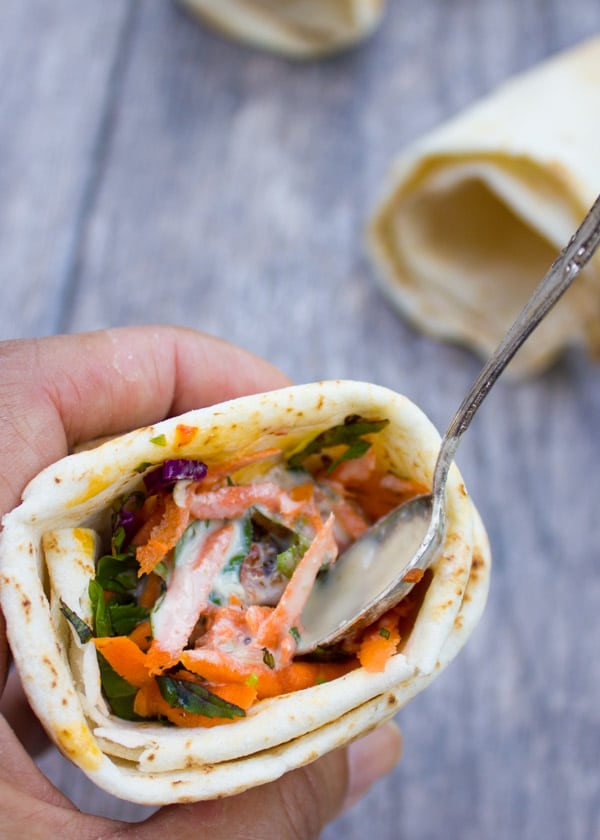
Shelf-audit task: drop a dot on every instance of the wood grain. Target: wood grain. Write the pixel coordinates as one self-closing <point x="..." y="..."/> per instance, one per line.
<point x="153" y="171"/>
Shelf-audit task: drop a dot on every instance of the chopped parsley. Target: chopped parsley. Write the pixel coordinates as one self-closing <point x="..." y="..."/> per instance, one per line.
<point x="349" y="434"/>
<point x="83" y="631"/>
<point x="196" y="699"/>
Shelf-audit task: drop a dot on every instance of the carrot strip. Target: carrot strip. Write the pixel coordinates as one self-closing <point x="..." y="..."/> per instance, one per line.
<point x="232" y="502"/>
<point x="124" y="657"/>
<point x="158" y="660"/>
<point x="219" y="667"/>
<point x="379" y="643"/>
<point x="150" y="703"/>
<point x="287" y="612"/>
<point x="238" y="462"/>
<point x="351" y="520"/>
<point x="142" y="635"/>
<point x="163" y="537"/>
<point x="152" y="590"/>
<point x="150" y="516"/>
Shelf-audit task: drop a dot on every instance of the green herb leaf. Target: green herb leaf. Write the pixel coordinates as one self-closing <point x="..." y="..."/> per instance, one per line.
<point x="196" y="699"/>
<point x="119" y="693"/>
<point x="117" y="573"/>
<point x="81" y="628"/>
<point x="356" y="450"/>
<point x="384" y="633"/>
<point x="268" y="658"/>
<point x="143" y="466"/>
<point x="348" y="433"/>
<point x="159" y="440"/>
<point x="288" y="560"/>
<point x="295" y="634"/>
<point x="125" y="617"/>
<point x="102" y="625"/>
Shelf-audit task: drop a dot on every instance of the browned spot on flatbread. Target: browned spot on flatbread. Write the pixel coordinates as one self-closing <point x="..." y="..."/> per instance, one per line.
<point x="477" y="564"/>
<point x="26" y="604"/>
<point x="57" y="479"/>
<point x="50" y="665"/>
<point x="50" y="542"/>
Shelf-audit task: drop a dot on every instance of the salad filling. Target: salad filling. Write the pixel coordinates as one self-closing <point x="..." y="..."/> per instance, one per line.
<point x="197" y="605"/>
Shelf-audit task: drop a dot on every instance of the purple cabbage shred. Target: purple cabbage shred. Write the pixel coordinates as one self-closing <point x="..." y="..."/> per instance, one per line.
<point x="175" y="469"/>
<point x="126" y="520"/>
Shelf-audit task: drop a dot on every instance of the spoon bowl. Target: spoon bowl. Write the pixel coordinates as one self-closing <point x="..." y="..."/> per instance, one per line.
<point x="379" y="569"/>
<point x="400" y="540"/>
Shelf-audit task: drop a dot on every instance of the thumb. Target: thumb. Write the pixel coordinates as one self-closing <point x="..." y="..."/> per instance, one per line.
<point x="296" y="807"/>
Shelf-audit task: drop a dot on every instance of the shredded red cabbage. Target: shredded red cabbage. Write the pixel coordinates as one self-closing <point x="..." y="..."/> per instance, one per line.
<point x="125" y="519"/>
<point x="175" y="469"/>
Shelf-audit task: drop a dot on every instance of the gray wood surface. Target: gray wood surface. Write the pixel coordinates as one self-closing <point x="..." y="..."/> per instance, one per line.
<point x="152" y="171"/>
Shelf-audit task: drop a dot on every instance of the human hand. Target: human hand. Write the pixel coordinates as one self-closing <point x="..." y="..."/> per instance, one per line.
<point x="56" y="393"/>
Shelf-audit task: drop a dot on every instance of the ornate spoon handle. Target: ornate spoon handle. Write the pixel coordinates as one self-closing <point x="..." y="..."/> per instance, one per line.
<point x="559" y="277"/>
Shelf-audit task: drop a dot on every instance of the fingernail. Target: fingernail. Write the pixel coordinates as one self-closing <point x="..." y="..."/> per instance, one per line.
<point x="372" y="757"/>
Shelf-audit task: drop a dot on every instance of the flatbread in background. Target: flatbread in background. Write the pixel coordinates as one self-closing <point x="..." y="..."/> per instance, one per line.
<point x="48" y="548"/>
<point x="294" y="28"/>
<point x="473" y="214"/>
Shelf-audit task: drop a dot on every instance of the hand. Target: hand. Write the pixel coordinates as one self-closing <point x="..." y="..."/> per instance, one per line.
<point x="61" y="391"/>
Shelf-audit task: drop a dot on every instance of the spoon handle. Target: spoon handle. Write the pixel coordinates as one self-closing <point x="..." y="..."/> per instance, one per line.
<point x="559" y="277"/>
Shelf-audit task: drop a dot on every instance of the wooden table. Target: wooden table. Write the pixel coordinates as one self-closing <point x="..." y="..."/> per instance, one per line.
<point x="152" y="171"/>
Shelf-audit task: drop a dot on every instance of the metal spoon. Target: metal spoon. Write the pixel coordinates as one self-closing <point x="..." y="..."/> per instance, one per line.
<point x="379" y="568"/>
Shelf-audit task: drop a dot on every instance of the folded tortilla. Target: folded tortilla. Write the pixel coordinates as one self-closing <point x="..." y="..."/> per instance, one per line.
<point x="293" y="28"/>
<point x="47" y="554"/>
<point x="473" y="214"/>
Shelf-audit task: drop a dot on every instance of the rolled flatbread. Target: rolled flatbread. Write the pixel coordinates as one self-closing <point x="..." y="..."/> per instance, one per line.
<point x="294" y="28"/>
<point x="473" y="214"/>
<point x="314" y="441"/>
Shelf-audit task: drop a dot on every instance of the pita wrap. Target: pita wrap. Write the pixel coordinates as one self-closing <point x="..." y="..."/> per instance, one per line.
<point x="473" y="214"/>
<point x="298" y="29"/>
<point x="48" y="552"/>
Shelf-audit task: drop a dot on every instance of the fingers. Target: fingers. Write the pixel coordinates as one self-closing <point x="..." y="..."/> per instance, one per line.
<point x="17" y="712"/>
<point x="370" y="758"/>
<point x="119" y="379"/>
<point x="296" y="806"/>
<point x="60" y="391"/>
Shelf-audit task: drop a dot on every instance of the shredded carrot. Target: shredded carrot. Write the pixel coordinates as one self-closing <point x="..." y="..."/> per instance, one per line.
<point x="302" y="492"/>
<point x="150" y="516"/>
<point x="152" y="590"/>
<point x="219" y="667"/>
<point x="238" y="462"/>
<point x="350" y="518"/>
<point x="287" y="612"/>
<point x="379" y="643"/>
<point x="150" y="703"/>
<point x="125" y="657"/>
<point x="413" y="575"/>
<point x="142" y="635"/>
<point x="163" y="537"/>
<point x="158" y="660"/>
<point x="234" y="501"/>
